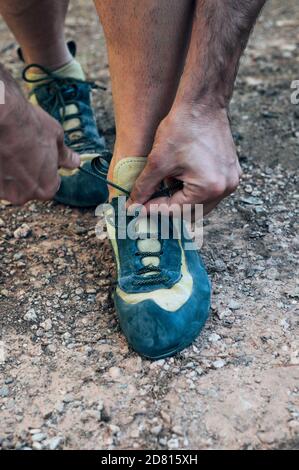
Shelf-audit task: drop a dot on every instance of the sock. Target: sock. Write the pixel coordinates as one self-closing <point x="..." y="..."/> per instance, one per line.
<point x="71" y="69"/>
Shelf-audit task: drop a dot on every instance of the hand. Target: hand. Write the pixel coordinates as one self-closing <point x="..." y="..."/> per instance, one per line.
<point x="194" y="145"/>
<point x="31" y="151"/>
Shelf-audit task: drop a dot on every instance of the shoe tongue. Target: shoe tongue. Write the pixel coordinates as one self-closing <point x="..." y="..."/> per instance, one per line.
<point x="126" y="172"/>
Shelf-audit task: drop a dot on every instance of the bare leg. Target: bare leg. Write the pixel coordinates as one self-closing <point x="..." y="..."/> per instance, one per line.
<point x="38" y="26"/>
<point x="147" y="43"/>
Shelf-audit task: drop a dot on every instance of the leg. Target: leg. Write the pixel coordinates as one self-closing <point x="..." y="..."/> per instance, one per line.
<point x="38" y="26"/>
<point x="147" y="42"/>
<point x="162" y="294"/>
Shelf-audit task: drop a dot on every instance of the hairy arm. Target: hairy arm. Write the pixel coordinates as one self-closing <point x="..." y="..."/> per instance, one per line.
<point x="220" y="33"/>
<point x="194" y="142"/>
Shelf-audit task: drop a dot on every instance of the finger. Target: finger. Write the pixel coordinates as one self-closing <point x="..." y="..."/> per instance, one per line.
<point x="181" y="203"/>
<point x="66" y="157"/>
<point x="147" y="182"/>
<point x="174" y="204"/>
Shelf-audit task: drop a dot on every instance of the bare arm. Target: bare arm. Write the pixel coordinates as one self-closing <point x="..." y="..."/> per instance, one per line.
<point x="194" y="142"/>
<point x="221" y="30"/>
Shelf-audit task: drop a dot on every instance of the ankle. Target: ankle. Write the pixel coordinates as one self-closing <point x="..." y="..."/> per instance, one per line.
<point x="51" y="56"/>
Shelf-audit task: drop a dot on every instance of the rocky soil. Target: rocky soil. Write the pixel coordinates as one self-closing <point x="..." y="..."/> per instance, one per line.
<point x="68" y="379"/>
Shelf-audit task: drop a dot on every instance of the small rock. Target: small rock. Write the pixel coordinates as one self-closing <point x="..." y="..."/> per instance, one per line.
<point x="55" y="442"/>
<point x="173" y="443"/>
<point x="39" y="437"/>
<point x="4" y="391"/>
<point x="22" y="232"/>
<point x="35" y="431"/>
<point x="251" y="200"/>
<point x="223" y="313"/>
<point x="219" y="266"/>
<point x="4" y="293"/>
<point x="79" y="291"/>
<point x="91" y="290"/>
<point x="156" y="430"/>
<point x="30" y="315"/>
<point x="47" y="325"/>
<point x="219" y="364"/>
<point x="213" y="338"/>
<point x="51" y="348"/>
<point x="114" y="372"/>
<point x="248" y="189"/>
<point x="2" y="223"/>
<point x="234" y="305"/>
<point x="9" y="380"/>
<point x="68" y="398"/>
<point x="37" y="446"/>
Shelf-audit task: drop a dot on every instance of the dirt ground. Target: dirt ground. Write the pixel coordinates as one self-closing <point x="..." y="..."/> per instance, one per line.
<point x="68" y="379"/>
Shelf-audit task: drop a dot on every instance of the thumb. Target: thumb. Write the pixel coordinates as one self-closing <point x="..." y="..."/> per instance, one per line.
<point x="66" y="157"/>
<point x="148" y="181"/>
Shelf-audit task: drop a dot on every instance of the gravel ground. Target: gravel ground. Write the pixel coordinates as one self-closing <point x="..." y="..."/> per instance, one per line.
<point x="68" y="379"/>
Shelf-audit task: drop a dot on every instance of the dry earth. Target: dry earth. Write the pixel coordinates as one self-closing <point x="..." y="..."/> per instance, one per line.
<point x="68" y="379"/>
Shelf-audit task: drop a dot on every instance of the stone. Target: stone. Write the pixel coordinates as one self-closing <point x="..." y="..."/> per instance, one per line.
<point x="55" y="442"/>
<point x="219" y="364"/>
<point x="114" y="372"/>
<point x="22" y="232"/>
<point x="30" y="315"/>
<point x="47" y="325"/>
<point x="39" y="437"/>
<point x="213" y="338"/>
<point x="4" y="391"/>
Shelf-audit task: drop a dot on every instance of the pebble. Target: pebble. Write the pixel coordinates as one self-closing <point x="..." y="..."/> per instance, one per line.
<point x="156" y="430"/>
<point x="39" y="437"/>
<point x="114" y="372"/>
<point x="30" y="315"/>
<point x="213" y="338"/>
<point x="22" y="232"/>
<point x="51" y="348"/>
<point x="234" y="305"/>
<point x="219" y="266"/>
<point x="2" y="223"/>
<point x="4" y="391"/>
<point x="47" y="325"/>
<point x="69" y="397"/>
<point x="223" y="313"/>
<point x="37" y="446"/>
<point x="173" y="443"/>
<point x="55" y="442"/>
<point x="219" y="364"/>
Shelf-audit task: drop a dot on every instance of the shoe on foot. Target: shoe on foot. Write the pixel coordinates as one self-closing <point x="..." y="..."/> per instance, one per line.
<point x="162" y="296"/>
<point x="66" y="96"/>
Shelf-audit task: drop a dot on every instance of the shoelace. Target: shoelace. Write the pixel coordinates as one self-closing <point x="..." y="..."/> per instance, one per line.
<point x="143" y="273"/>
<point x="61" y="93"/>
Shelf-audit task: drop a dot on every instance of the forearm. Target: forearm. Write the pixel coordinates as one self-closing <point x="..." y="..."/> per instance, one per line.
<point x="220" y="33"/>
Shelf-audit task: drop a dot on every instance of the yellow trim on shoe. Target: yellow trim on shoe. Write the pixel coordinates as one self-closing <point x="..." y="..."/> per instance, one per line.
<point x="169" y="299"/>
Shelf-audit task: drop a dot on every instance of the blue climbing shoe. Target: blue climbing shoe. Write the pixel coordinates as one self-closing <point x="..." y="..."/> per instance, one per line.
<point x="66" y="96"/>
<point x="162" y="296"/>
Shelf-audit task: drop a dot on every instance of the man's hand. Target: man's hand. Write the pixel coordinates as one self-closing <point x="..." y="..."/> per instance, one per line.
<point x="31" y="151"/>
<point x="194" y="145"/>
